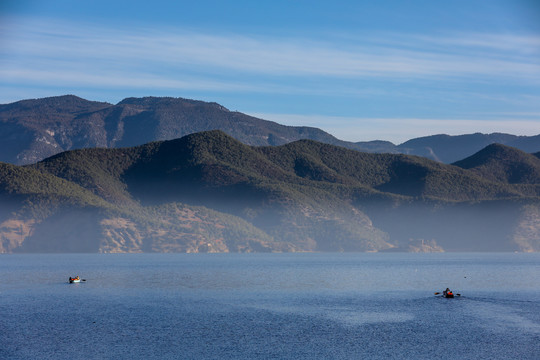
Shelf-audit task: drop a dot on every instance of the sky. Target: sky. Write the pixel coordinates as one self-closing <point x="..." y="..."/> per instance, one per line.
<point x="361" y="70"/>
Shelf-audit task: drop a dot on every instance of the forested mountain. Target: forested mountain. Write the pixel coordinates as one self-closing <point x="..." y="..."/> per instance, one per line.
<point x="32" y="130"/>
<point x="505" y="164"/>
<point x="210" y="192"/>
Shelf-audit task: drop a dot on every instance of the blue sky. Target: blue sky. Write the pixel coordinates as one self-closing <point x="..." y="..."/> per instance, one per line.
<point x="361" y="70"/>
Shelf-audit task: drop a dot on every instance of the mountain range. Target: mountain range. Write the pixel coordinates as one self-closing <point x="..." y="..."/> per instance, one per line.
<point x="32" y="130"/>
<point x="209" y="192"/>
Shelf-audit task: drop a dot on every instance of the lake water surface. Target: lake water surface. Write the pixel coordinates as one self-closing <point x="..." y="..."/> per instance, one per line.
<point x="269" y="306"/>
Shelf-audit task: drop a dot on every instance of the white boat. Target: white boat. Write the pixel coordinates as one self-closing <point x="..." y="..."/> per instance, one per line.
<point x="76" y="279"/>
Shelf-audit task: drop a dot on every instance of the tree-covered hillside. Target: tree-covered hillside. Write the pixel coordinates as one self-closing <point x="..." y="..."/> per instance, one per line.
<point x="210" y="192"/>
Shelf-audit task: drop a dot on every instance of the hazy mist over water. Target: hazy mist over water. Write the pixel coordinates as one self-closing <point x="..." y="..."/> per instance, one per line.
<point x="260" y="306"/>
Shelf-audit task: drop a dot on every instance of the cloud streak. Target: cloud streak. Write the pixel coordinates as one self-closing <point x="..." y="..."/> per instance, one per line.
<point x="86" y="51"/>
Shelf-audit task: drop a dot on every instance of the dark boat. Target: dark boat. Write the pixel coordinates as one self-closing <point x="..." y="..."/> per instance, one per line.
<point x="448" y="294"/>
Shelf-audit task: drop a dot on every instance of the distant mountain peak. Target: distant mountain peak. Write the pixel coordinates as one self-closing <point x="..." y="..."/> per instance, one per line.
<point x="168" y="101"/>
<point x="60" y="103"/>
<point x="492" y="152"/>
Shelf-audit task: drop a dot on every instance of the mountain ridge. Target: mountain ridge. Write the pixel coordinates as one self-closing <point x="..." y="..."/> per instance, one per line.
<point x="32" y="130"/>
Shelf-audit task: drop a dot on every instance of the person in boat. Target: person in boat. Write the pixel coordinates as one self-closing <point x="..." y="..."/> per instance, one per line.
<point x="445" y="292"/>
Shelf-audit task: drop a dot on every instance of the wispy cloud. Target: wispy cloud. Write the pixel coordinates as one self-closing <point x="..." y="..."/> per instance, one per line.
<point x="74" y="77"/>
<point x="163" y="58"/>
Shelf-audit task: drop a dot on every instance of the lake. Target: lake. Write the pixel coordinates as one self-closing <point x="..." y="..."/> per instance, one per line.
<point x="270" y="306"/>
